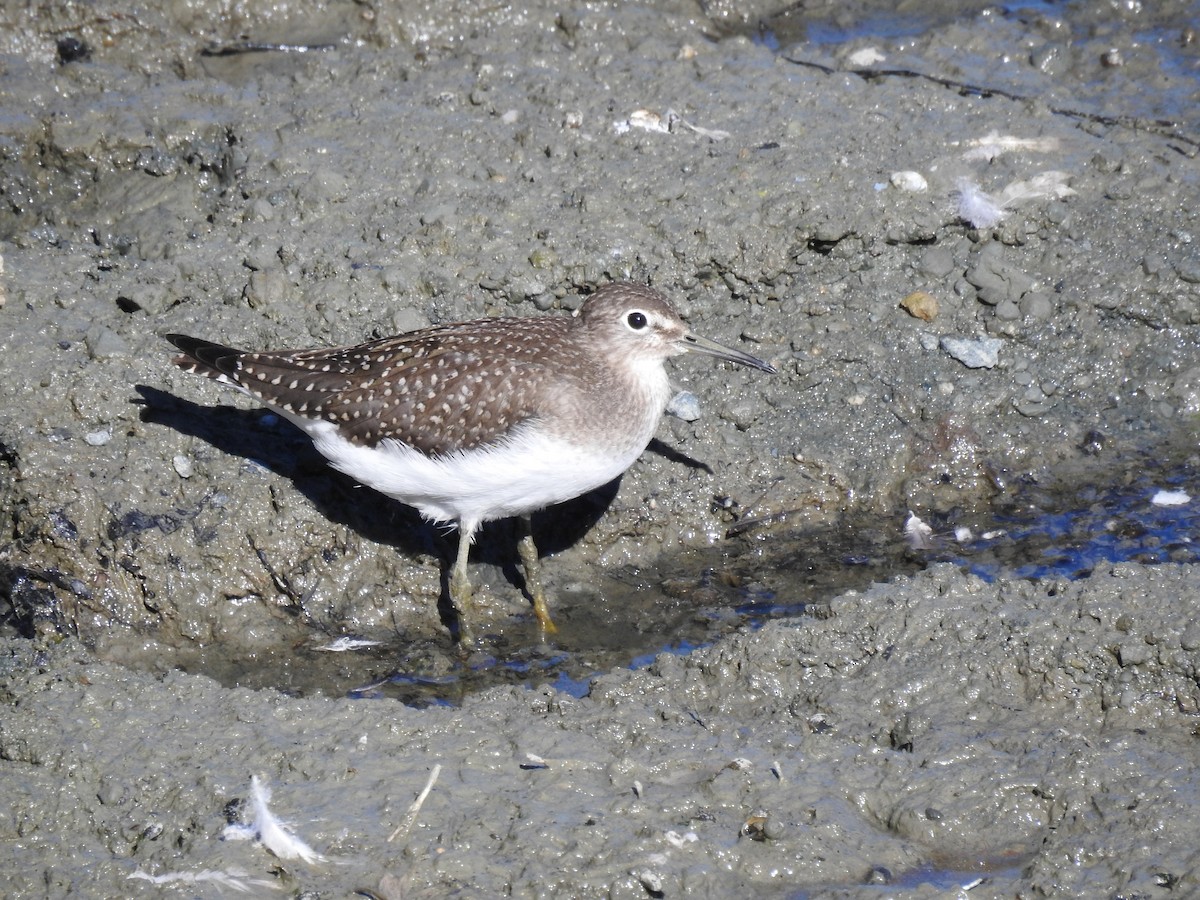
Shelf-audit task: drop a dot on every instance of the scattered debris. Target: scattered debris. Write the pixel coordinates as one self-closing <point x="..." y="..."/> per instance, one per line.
<point x="867" y="56"/>
<point x="652" y="121"/>
<point x="913" y="182"/>
<point x="645" y="120"/>
<point x="918" y="534"/>
<point x="980" y="353"/>
<point x="713" y="134"/>
<point x="982" y="210"/>
<point x="234" y="879"/>
<point x="921" y="305"/>
<point x="756" y="826"/>
<point x="684" y="405"/>
<point x="651" y="881"/>
<point x="411" y="816"/>
<point x="679" y="841"/>
<point x="1045" y="185"/>
<point x="344" y="644"/>
<point x="994" y="144"/>
<point x="1170" y="498"/>
<point x="976" y="207"/>
<point x="237" y="47"/>
<point x="268" y="830"/>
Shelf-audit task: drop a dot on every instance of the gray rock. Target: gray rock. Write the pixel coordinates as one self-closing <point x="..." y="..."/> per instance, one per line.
<point x="977" y="353"/>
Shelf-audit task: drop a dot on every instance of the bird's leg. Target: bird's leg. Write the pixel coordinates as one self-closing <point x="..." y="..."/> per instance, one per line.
<point x="460" y="586"/>
<point x="533" y="575"/>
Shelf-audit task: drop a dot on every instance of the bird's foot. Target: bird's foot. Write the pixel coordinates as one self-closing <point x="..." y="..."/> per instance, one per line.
<point x="533" y="582"/>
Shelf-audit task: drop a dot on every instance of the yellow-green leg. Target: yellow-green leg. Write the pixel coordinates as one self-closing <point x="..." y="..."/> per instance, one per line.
<point x="460" y="585"/>
<point x="533" y="576"/>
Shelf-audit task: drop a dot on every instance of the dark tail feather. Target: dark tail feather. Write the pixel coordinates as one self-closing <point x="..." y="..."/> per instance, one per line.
<point x="205" y="357"/>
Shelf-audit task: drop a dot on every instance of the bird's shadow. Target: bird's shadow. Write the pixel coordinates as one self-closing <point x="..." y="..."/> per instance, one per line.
<point x="274" y="443"/>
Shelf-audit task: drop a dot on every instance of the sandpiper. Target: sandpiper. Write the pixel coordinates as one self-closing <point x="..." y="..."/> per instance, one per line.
<point x="481" y="420"/>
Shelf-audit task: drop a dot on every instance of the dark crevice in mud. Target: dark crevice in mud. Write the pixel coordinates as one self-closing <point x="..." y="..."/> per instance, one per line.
<point x="1164" y="127"/>
<point x="29" y="602"/>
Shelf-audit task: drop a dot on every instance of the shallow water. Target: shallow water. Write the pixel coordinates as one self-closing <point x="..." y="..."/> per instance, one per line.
<point x="1036" y="530"/>
<point x="1043" y="37"/>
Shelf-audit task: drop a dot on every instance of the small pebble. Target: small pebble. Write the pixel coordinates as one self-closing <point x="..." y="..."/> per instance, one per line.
<point x="183" y="466"/>
<point x="774" y="830"/>
<point x="112" y="791"/>
<point x="921" y="305"/>
<point x="755" y="827"/>
<point x="867" y="56"/>
<point x="685" y="405"/>
<point x="1189" y="270"/>
<point x="1036" y="305"/>
<point x="981" y="353"/>
<point x="1007" y="310"/>
<point x="1133" y="652"/>
<point x="679" y="841"/>
<point x="99" y="438"/>
<point x="103" y="343"/>
<point x="651" y="881"/>
<point x="1093" y="442"/>
<point x="913" y="182"/>
<point x="1170" y="498"/>
<point x="879" y="875"/>
<point x="1190" y="640"/>
<point x="936" y="262"/>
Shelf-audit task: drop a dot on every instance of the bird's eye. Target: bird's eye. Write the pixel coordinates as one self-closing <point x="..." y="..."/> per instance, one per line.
<point x="636" y="320"/>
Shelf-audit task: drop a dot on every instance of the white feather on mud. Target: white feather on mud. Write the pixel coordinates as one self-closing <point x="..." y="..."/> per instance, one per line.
<point x="234" y="879"/>
<point x="918" y="534"/>
<point x="345" y="644"/>
<point x="980" y="209"/>
<point x="648" y="120"/>
<point x="994" y="144"/>
<point x="269" y="830"/>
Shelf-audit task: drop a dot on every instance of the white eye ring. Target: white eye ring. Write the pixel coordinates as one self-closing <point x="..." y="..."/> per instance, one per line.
<point x="636" y="320"/>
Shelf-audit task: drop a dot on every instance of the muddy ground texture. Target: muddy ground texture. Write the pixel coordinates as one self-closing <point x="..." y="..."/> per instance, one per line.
<point x="161" y="171"/>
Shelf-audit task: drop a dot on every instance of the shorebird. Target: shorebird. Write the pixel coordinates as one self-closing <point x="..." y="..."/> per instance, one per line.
<point x="481" y="420"/>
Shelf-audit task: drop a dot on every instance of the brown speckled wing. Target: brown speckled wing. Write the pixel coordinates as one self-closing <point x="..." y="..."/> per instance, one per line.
<point x="438" y="390"/>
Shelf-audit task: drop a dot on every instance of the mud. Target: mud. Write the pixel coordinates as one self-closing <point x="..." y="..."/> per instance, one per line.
<point x="268" y="176"/>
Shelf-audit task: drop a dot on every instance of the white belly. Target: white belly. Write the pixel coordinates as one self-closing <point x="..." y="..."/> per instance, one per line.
<point x="529" y="472"/>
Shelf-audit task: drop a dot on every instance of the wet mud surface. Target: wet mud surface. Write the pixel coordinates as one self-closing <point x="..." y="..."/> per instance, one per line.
<point x="1014" y="710"/>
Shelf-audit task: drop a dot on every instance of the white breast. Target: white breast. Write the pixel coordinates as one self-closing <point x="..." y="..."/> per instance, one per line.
<point x="528" y="472"/>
